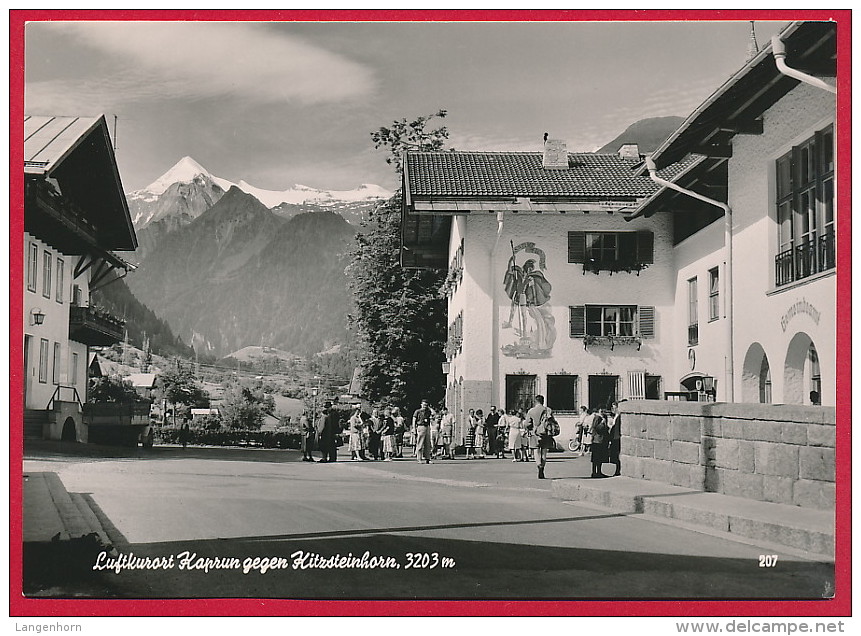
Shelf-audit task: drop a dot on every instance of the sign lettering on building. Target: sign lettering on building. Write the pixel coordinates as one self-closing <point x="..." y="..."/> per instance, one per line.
<point x="799" y="307"/>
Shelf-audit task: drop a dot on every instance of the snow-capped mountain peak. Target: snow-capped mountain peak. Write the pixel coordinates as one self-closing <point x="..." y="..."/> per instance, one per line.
<point x="149" y="204"/>
<point x="184" y="171"/>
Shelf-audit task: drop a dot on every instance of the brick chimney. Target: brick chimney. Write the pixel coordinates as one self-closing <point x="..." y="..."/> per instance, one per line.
<point x="555" y="155"/>
<point x="629" y="151"/>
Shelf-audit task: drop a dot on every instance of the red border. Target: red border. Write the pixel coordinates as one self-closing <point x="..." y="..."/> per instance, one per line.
<point x="840" y="605"/>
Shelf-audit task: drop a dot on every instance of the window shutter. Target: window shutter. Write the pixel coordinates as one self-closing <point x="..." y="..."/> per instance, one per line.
<point x="647" y="322"/>
<point x="645" y="247"/>
<point x="577" y="321"/>
<point x="636" y="385"/>
<point x="576" y="247"/>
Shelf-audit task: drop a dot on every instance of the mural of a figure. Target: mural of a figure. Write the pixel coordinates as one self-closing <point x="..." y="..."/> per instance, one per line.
<point x="530" y="313"/>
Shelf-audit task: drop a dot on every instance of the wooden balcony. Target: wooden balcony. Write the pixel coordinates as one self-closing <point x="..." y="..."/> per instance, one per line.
<point x="94" y="327"/>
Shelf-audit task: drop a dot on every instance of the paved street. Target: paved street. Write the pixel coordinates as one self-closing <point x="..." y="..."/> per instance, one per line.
<point x="494" y="528"/>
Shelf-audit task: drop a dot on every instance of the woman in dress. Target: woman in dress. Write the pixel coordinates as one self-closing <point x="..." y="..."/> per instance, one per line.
<point x="469" y="436"/>
<point x="357" y="447"/>
<point x="479" y="432"/>
<point x="388" y="434"/>
<point x="446" y="433"/>
<point x="525" y="444"/>
<point x="600" y="441"/>
<point x="400" y="429"/>
<point x="512" y="421"/>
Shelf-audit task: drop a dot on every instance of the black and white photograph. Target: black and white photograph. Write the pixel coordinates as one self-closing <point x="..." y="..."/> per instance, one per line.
<point x="322" y="308"/>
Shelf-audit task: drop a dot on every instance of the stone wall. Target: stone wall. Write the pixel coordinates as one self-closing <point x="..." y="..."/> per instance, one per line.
<point x="778" y="453"/>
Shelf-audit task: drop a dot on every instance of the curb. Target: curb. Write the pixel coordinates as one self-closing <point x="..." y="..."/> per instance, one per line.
<point x="800" y="528"/>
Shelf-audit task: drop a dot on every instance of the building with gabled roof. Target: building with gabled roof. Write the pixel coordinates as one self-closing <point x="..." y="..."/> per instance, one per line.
<point x="756" y="267"/>
<point x="586" y="278"/>
<point x="550" y="290"/>
<point x="75" y="220"/>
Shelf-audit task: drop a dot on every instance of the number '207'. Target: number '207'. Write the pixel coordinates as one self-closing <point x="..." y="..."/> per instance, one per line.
<point x="767" y="560"/>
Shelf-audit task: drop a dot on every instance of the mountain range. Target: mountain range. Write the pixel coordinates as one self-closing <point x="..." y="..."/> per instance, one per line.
<point x="228" y="265"/>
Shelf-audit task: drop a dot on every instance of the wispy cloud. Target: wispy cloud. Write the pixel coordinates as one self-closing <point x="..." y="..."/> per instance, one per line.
<point x="198" y="60"/>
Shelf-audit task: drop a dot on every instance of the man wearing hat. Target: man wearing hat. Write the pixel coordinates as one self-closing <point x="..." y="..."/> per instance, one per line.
<point x="329" y="429"/>
<point x="421" y="422"/>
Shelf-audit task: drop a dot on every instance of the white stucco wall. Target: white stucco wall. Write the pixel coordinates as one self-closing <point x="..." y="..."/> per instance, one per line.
<point x="55" y="328"/>
<point x="759" y="307"/>
<point x="482" y="289"/>
<point x="763" y="314"/>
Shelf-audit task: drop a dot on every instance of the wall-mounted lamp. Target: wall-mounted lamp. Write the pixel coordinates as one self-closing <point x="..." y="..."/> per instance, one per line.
<point x="37" y="317"/>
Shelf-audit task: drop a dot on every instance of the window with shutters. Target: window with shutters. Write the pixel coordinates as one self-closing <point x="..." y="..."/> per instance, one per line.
<point x="714" y="294"/>
<point x="693" y="313"/>
<point x="612" y="324"/>
<point x="612" y="251"/>
<point x="804" y="183"/>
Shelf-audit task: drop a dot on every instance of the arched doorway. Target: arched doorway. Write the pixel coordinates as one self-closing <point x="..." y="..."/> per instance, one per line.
<point x="69" y="431"/>
<point x="756" y="376"/>
<point x="801" y="374"/>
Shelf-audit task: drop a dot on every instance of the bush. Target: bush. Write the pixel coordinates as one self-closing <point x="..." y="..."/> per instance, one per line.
<point x="232" y="437"/>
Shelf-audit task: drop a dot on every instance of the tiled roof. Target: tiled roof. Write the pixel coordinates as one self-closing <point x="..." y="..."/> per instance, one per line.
<point x="520" y="174"/>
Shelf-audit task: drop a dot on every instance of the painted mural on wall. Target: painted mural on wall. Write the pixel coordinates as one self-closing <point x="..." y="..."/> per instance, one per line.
<point x="530" y="324"/>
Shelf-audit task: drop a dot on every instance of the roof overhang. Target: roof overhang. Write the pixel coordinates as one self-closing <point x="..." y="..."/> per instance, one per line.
<point x="77" y="153"/>
<point x="736" y="107"/>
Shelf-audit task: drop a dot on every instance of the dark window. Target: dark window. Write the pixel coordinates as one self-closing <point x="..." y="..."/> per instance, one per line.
<point x="602" y="391"/>
<point x="61" y="275"/>
<point x="43" y="361"/>
<point x="653" y="387"/>
<point x="56" y="369"/>
<point x="714" y="294"/>
<point x="562" y="392"/>
<point x="32" y="267"/>
<point x="804" y="183"/>
<point x="46" y="274"/>
<point x="693" y="321"/>
<point x="611" y="250"/>
<point x="519" y="392"/>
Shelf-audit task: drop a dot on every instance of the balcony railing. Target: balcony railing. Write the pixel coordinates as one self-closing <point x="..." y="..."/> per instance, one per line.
<point x="811" y="257"/>
<point x="93" y="326"/>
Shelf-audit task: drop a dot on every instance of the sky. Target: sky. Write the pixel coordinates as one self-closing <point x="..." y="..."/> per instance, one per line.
<point x="281" y="103"/>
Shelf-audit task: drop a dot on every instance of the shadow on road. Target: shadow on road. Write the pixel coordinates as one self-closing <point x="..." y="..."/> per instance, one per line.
<point x="478" y="570"/>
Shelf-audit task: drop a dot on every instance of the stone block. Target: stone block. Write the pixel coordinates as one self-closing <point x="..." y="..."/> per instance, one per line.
<point x="689" y="476"/>
<point x="744" y="485"/>
<point x="658" y="508"/>
<point x="629" y="446"/>
<point x="700" y="517"/>
<point x="746" y="453"/>
<point x="813" y="494"/>
<point x="656" y="470"/>
<point x="713" y="479"/>
<point x="709" y="449"/>
<point x="685" y="452"/>
<point x="712" y="426"/>
<point x="633" y="467"/>
<point x="662" y="449"/>
<point x="726" y="454"/>
<point x="816" y="462"/>
<point x="761" y="431"/>
<point x="776" y="459"/>
<point x="732" y="429"/>
<point x="820" y="435"/>
<point x="777" y="489"/>
<point x="659" y="428"/>
<point x="686" y="428"/>
<point x="644" y="448"/>
<point x="793" y="433"/>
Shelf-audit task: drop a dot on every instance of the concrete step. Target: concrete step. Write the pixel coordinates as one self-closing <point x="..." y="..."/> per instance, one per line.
<point x="804" y="529"/>
<point x="90" y="517"/>
<point x="34" y="419"/>
<point x="52" y="514"/>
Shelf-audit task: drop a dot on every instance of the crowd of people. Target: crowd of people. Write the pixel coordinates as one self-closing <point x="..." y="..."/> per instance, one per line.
<point x="384" y="433"/>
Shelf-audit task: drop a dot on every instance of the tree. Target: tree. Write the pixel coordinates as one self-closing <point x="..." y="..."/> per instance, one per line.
<point x="179" y="386"/>
<point x="399" y="315"/>
<point x="112" y="389"/>
<point x="245" y="408"/>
